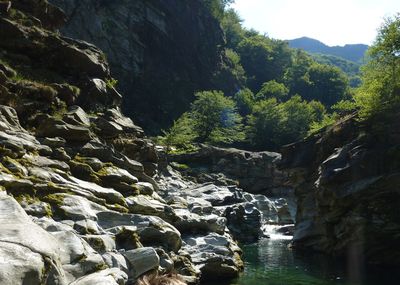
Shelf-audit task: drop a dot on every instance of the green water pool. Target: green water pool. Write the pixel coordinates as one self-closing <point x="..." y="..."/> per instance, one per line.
<point x="273" y="262"/>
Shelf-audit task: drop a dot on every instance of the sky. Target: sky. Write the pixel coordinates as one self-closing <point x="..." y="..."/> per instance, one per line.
<point x="333" y="22"/>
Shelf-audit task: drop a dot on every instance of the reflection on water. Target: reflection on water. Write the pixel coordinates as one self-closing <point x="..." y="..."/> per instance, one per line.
<point x="273" y="262"/>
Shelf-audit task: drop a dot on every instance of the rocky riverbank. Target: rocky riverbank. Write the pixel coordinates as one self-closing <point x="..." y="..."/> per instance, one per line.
<point x="83" y="197"/>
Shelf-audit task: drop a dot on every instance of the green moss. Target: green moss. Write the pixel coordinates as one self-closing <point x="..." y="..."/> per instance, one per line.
<point x="83" y="170"/>
<point x="180" y="166"/>
<point x="97" y="243"/>
<point x="58" y="110"/>
<point x="20" y="17"/>
<point x="5" y="169"/>
<point x="117" y="207"/>
<point x="111" y="83"/>
<point x="56" y="199"/>
<point x="99" y="267"/>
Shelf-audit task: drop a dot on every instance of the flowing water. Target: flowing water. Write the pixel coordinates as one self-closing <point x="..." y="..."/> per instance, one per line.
<point x="271" y="261"/>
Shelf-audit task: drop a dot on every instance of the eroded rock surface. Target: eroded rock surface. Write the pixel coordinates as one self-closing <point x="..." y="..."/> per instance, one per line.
<point x="346" y="180"/>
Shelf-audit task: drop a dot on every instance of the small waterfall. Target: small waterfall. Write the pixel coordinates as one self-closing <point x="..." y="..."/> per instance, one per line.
<point x="278" y="232"/>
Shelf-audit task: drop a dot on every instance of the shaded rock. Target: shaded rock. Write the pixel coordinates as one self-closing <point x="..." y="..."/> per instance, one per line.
<point x="51" y="127"/>
<point x="152" y="230"/>
<point x="108" y="129"/>
<point x="49" y="16"/>
<point x="344" y="177"/>
<point x="69" y="94"/>
<point x="8" y="71"/>
<point x="145" y="188"/>
<point x="244" y="222"/>
<point x="256" y="172"/>
<point x="142" y="260"/>
<point x="142" y="63"/>
<point x="126" y="123"/>
<point x="3" y="77"/>
<point x="96" y="92"/>
<point x="76" y="116"/>
<point x="60" y="154"/>
<point x="217" y="256"/>
<point x="107" y="154"/>
<point x="116" y="260"/>
<point x="5" y="7"/>
<point x="54" y="142"/>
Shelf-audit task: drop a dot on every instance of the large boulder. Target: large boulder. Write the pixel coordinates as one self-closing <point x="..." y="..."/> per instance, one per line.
<point x="29" y="254"/>
<point x="142" y="260"/>
<point x="216" y="256"/>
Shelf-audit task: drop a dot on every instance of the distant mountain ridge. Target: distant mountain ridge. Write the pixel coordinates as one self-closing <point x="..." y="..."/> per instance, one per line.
<point x="352" y="52"/>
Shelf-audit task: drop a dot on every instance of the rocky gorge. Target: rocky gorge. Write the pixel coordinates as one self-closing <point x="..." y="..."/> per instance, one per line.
<point x="84" y="198"/>
<point x="159" y="51"/>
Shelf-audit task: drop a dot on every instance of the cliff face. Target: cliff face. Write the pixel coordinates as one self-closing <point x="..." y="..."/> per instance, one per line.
<point x="79" y="200"/>
<point x="160" y="51"/>
<point x="347" y="185"/>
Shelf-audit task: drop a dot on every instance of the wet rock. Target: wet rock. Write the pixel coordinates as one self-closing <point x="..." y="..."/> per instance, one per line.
<point x="244" y="221"/>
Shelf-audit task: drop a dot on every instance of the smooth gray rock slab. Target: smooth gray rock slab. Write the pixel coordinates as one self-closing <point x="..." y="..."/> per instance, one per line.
<point x="142" y="260"/>
<point x="111" y="276"/>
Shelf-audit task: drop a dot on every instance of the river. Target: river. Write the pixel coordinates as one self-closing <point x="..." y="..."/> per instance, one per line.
<point x="271" y="261"/>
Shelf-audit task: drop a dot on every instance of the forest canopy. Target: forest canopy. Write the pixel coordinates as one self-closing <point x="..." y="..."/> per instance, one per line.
<point x="285" y="94"/>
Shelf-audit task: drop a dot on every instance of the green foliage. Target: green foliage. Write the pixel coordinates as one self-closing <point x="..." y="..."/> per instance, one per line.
<point x="232" y="26"/>
<point x="217" y="7"/>
<point x="215" y="118"/>
<point x="350" y="68"/>
<point x="327" y="120"/>
<point x="380" y="89"/>
<point x="263" y="124"/>
<point x="111" y="83"/>
<point x="273" y="89"/>
<point x="315" y="81"/>
<point x="244" y="101"/>
<point x="273" y="124"/>
<point x="327" y="84"/>
<point x="263" y="59"/>
<point x="231" y="75"/>
<point x="345" y="107"/>
<point x="180" y="135"/>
